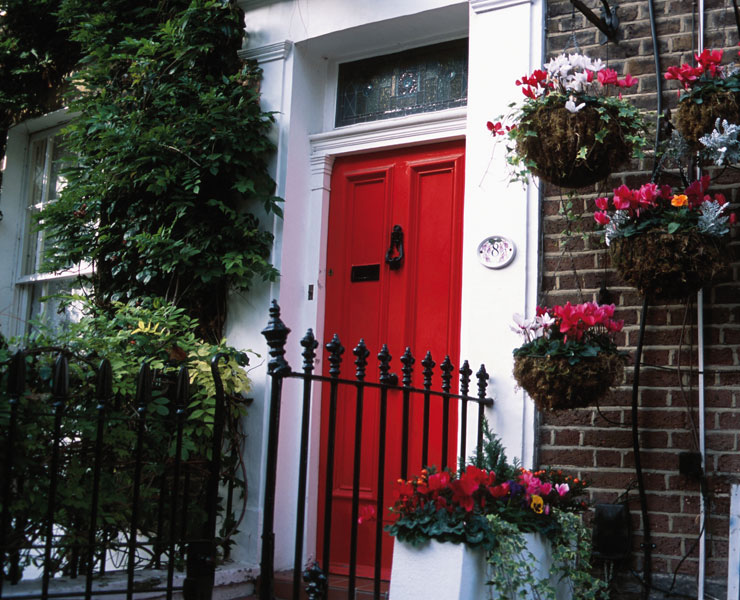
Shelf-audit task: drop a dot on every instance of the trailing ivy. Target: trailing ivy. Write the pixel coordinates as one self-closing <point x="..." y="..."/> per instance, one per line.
<point x="172" y="152"/>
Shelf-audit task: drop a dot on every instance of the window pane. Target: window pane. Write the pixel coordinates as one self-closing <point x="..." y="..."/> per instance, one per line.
<point x="49" y="310"/>
<point x="419" y="80"/>
<point x="45" y="182"/>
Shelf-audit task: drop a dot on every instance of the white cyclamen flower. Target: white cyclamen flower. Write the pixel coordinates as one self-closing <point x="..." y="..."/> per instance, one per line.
<point x="571" y="105"/>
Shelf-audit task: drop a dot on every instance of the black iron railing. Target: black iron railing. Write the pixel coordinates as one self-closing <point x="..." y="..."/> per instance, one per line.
<point x="276" y="333"/>
<point x="181" y="519"/>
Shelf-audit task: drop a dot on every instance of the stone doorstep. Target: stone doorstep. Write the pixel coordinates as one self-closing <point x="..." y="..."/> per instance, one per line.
<point x="234" y="581"/>
<point x="364" y="587"/>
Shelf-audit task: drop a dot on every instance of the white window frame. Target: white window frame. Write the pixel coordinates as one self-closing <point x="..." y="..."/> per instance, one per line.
<point x="26" y="281"/>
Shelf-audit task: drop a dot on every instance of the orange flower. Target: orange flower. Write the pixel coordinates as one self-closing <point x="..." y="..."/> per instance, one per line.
<point x="679" y="200"/>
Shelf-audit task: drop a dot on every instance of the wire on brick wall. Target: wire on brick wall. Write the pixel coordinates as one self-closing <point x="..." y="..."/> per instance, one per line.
<point x="647" y="544"/>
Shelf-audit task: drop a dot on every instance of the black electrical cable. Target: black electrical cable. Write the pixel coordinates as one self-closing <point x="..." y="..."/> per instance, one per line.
<point x="658" y="89"/>
<point x="647" y="545"/>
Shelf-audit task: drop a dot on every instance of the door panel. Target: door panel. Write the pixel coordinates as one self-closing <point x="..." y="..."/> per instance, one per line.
<point x="416" y="305"/>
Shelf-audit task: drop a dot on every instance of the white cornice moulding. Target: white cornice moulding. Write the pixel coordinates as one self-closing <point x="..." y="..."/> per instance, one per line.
<point x="482" y="6"/>
<point x="446" y="124"/>
<point x="263" y="54"/>
<point x="321" y="165"/>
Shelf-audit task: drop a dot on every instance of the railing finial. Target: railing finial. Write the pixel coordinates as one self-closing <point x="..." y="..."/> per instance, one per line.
<point x="361" y="352"/>
<point x="276" y="334"/>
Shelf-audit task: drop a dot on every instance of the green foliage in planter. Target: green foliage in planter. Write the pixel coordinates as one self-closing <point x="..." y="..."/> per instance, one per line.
<point x="151" y="331"/>
<point x="513" y="568"/>
<point x="172" y="152"/>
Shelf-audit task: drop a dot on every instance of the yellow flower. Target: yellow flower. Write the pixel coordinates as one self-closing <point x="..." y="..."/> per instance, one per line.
<point x="537" y="504"/>
<point x="679" y="200"/>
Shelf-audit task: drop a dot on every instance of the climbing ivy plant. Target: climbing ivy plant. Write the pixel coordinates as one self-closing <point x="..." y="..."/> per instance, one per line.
<point x="171" y="152"/>
<point x="168" y="198"/>
<point x="35" y="55"/>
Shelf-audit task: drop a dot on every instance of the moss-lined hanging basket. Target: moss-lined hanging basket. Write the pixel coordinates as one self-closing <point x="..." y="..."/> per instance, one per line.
<point x="696" y="120"/>
<point x="555" y="384"/>
<point x="563" y="147"/>
<point x="668" y="266"/>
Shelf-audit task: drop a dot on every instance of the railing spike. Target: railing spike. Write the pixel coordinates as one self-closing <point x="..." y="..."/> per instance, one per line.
<point x="361" y="352"/>
<point x="60" y="386"/>
<point x="446" y="368"/>
<point x="428" y="364"/>
<point x="483" y="377"/>
<point x="408" y="361"/>
<point x="183" y="387"/>
<point x="276" y="334"/>
<point x="384" y="357"/>
<point x="143" y="386"/>
<point x="309" y="344"/>
<point x="104" y="382"/>
<point x="17" y="375"/>
<point x="336" y="350"/>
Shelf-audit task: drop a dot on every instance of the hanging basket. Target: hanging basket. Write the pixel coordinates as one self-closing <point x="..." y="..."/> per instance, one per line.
<point x="551" y="147"/>
<point x="668" y="266"/>
<point x="696" y="120"/>
<point x="554" y="384"/>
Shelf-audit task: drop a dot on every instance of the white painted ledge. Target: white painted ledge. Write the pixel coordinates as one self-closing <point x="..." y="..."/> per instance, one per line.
<point x="233" y="581"/>
<point x="483" y="6"/>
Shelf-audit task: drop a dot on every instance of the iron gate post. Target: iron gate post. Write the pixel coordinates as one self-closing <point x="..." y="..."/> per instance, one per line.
<point x="276" y="334"/>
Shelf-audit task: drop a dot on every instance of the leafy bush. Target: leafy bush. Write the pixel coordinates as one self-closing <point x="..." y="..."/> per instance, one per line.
<point x="171" y="154"/>
<point x="153" y="332"/>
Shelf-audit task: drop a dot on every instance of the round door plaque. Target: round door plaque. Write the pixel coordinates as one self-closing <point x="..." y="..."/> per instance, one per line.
<point x="496" y="252"/>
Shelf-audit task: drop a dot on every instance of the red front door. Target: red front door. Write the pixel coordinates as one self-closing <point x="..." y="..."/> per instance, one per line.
<point x="416" y="305"/>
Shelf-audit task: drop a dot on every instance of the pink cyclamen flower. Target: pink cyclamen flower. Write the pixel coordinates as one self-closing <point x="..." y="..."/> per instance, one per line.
<point x="367" y="513"/>
<point x="628" y="81"/>
<point x="602" y="218"/>
<point x="562" y="489"/>
<point x="608" y="76"/>
<point x="602" y="203"/>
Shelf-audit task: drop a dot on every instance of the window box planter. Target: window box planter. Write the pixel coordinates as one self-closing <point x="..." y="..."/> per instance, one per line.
<point x="454" y="571"/>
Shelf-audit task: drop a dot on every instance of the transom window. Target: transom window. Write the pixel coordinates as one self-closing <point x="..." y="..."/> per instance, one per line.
<point x="414" y="81"/>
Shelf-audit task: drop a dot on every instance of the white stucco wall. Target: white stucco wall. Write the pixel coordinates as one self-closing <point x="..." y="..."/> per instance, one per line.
<point x="299" y="44"/>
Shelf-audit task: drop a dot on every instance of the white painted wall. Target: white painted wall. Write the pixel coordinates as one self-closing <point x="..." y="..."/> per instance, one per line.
<point x="299" y="44"/>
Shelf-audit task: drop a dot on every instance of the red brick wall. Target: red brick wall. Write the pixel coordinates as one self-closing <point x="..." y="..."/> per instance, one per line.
<point x="598" y="447"/>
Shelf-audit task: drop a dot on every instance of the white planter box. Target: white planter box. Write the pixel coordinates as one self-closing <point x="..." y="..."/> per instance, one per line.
<point x="437" y="570"/>
<point x="445" y="571"/>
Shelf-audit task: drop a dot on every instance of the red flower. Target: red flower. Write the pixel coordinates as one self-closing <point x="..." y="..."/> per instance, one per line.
<point x="628" y="81"/>
<point x="608" y="76"/>
<point x="367" y="513"/>
<point x="697" y="190"/>
<point x="602" y="203"/>
<point x="439" y="481"/>
<point x="623" y="198"/>
<point x="462" y="492"/>
<point x="602" y="218"/>
<point x="499" y="490"/>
